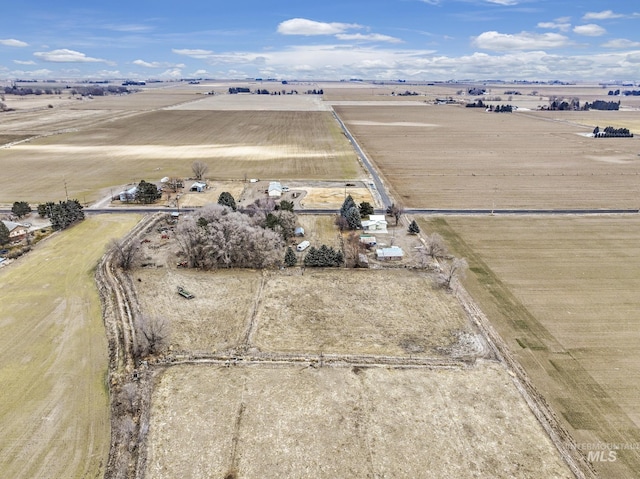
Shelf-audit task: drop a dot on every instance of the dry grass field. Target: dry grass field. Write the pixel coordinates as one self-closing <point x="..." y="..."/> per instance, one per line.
<point x="54" y="413"/>
<point x="296" y="422"/>
<point x="563" y="292"/>
<point x="104" y="143"/>
<point x="295" y="313"/>
<point x="447" y="156"/>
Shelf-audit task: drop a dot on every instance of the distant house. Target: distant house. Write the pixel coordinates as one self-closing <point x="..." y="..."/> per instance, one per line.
<point x="391" y="253"/>
<point x="129" y="195"/>
<point x="16" y="230"/>
<point x="375" y="223"/>
<point x="198" y="186"/>
<point x="275" y="189"/>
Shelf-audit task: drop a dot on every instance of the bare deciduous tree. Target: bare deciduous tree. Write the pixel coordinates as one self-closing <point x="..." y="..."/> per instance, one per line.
<point x="126" y="254"/>
<point x="435" y="246"/>
<point x="456" y="269"/>
<point x="352" y="248"/>
<point x="199" y="169"/>
<point x="152" y="334"/>
<point x="395" y="211"/>
<point x="217" y="237"/>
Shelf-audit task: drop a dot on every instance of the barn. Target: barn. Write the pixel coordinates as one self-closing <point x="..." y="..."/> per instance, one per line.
<point x="275" y="189"/>
<point x="198" y="186"/>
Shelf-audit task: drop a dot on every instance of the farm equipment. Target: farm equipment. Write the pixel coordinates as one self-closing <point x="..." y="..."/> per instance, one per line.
<point x="184" y="293"/>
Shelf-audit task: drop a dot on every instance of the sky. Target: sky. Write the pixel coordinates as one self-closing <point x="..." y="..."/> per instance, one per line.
<point x="412" y="40"/>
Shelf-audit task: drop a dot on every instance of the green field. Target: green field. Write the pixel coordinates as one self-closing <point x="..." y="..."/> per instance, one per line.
<point x="54" y="413"/>
<point x="563" y="293"/>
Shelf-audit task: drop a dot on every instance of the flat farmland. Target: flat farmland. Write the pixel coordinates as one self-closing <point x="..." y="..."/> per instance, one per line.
<point x="161" y="143"/>
<point x="299" y="422"/>
<point x="445" y="156"/>
<point x="563" y="293"/>
<point x="416" y="318"/>
<point x="54" y="413"/>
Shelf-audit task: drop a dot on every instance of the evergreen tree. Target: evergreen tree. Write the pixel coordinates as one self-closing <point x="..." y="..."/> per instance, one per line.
<point x="414" y="229"/>
<point x="4" y="234"/>
<point x="347" y="204"/>
<point x="147" y="193"/>
<point x="353" y="218"/>
<point x="21" y="208"/>
<point x="366" y="209"/>
<point x="290" y="258"/>
<point x="226" y="199"/>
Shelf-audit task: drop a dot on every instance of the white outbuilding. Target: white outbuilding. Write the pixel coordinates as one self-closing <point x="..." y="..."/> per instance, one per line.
<point x="275" y="189"/>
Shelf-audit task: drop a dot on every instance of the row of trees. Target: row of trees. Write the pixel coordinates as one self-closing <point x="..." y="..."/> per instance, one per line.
<point x="611" y="132"/>
<point x="218" y="237"/>
<point x="63" y="214"/>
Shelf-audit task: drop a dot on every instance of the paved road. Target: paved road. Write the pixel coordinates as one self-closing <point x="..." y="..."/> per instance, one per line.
<point x="377" y="182"/>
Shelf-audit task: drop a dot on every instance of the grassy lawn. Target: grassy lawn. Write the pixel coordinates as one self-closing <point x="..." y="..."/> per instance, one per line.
<point x="54" y="413"/>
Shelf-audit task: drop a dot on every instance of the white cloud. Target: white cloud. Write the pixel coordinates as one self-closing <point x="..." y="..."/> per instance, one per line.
<point x="193" y="53"/>
<point x="130" y="28"/>
<point x="302" y="26"/>
<point x="171" y="73"/>
<point x="562" y="26"/>
<point x="621" y="43"/>
<point x="12" y="42"/>
<point x="143" y="63"/>
<point x="604" y="15"/>
<point x="371" y="37"/>
<point x="65" y="55"/>
<point x="24" y="62"/>
<point x="520" y="41"/>
<point x="503" y="2"/>
<point x="589" y="30"/>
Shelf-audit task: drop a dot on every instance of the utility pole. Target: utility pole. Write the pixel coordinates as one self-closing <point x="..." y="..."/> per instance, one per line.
<point x="66" y="193"/>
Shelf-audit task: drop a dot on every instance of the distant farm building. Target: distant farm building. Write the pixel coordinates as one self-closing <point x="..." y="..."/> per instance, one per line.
<point x="391" y="253"/>
<point x="303" y="246"/>
<point x="198" y="186"/>
<point x="299" y="231"/>
<point x="275" y="189"/>
<point x="128" y="195"/>
<point x="375" y="223"/>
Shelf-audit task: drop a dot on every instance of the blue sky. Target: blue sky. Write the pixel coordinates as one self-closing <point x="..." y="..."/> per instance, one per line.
<point x="572" y="40"/>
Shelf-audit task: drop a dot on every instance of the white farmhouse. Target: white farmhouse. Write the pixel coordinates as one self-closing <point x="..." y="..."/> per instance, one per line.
<point x="375" y="223"/>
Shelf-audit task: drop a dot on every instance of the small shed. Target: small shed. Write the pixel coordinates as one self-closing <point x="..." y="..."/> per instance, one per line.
<point x="390" y="253"/>
<point x="368" y="240"/>
<point x="299" y="231"/>
<point x="198" y="186"/>
<point x="303" y="246"/>
<point x="275" y="189"/>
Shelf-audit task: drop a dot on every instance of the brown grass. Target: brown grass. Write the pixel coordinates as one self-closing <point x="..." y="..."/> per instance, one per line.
<point x="297" y="422"/>
<point x="563" y="293"/>
<point x="165" y="143"/>
<point x="474" y="159"/>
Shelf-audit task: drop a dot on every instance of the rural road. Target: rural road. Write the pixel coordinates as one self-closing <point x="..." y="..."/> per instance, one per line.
<point x="377" y="182"/>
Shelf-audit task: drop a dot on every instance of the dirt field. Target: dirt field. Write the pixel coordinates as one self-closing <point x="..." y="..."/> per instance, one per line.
<point x="563" y="292"/>
<point x="416" y="319"/>
<point x="464" y="158"/>
<point x="255" y="422"/>
<point x="54" y="413"/>
<point x="235" y="144"/>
